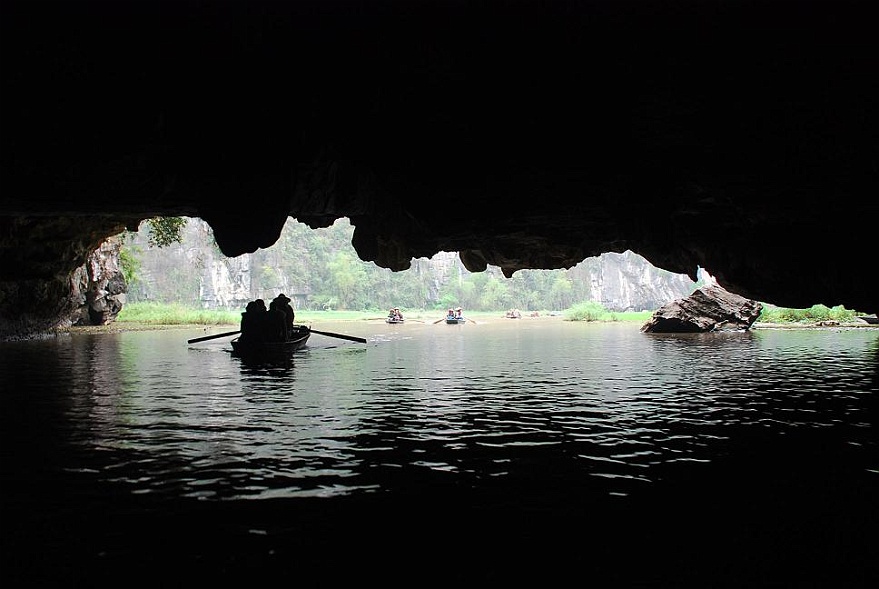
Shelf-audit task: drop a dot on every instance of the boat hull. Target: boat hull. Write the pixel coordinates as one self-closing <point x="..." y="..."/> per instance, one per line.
<point x="268" y="349"/>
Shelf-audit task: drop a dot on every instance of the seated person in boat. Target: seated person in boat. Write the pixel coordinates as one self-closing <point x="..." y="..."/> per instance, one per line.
<point x="284" y="305"/>
<point x="253" y="321"/>
<point x="277" y="323"/>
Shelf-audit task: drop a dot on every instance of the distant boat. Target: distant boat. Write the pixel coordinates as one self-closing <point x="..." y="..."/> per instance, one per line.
<point x="453" y="317"/>
<point x="395" y="316"/>
<point x="871" y="319"/>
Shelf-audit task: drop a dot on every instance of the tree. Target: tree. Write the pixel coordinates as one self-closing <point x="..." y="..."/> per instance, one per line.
<point x="349" y="280"/>
<point x="560" y="292"/>
<point x="163" y="231"/>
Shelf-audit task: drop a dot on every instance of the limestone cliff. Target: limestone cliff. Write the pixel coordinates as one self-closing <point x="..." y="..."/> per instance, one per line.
<point x="195" y="271"/>
<point x="99" y="288"/>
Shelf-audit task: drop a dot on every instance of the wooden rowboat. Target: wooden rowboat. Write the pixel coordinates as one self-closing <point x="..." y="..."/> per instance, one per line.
<point x="298" y="339"/>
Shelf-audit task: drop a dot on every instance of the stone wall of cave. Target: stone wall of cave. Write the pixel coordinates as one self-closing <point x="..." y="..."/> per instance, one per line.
<point x="740" y="137"/>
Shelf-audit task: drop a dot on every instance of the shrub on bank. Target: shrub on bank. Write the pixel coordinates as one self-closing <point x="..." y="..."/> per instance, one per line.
<point x="813" y="314"/>
<point x="175" y="314"/>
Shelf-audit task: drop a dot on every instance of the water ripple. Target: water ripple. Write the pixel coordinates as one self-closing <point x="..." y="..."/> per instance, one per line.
<point x="610" y="409"/>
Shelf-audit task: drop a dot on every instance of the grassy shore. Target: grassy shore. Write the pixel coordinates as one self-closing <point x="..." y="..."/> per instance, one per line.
<point x="151" y="316"/>
<point x="170" y="315"/>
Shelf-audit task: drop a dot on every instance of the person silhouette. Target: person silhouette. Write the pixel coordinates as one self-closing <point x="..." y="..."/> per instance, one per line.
<point x="284" y="305"/>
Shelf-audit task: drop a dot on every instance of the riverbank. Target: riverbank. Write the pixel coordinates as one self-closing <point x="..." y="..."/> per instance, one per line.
<point x="306" y="319"/>
<point x="125" y="326"/>
<point x="817" y="325"/>
<point x="151" y="316"/>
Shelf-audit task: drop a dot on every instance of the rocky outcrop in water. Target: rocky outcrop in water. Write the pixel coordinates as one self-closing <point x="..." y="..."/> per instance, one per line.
<point x="710" y="308"/>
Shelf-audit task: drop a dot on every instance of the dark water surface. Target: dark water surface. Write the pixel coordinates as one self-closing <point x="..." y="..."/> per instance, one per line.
<point x="515" y="453"/>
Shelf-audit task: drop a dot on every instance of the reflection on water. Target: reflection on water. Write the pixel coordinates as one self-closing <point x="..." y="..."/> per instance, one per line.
<point x="549" y="440"/>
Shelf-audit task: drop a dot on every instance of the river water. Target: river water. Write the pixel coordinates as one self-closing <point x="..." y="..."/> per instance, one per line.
<point x="507" y="453"/>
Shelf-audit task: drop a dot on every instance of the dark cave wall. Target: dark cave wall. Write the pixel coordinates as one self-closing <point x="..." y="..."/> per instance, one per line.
<point x="736" y="136"/>
<point x="43" y="272"/>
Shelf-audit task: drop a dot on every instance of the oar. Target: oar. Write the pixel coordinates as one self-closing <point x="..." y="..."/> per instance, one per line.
<point x="207" y="337"/>
<point x="340" y="335"/>
<point x="438" y="320"/>
<point x="470" y="320"/>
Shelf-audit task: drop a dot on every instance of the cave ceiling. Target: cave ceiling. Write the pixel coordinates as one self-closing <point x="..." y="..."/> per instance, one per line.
<point x="736" y="136"/>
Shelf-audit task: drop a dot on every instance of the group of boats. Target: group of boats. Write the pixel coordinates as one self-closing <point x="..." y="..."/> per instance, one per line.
<point x="453" y="317"/>
<point x="450" y="319"/>
<point x="298" y="336"/>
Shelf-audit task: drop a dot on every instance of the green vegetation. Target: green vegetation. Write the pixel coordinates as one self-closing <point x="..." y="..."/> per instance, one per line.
<point x="129" y="263"/>
<point x="164" y="231"/>
<point x="319" y="268"/>
<point x="174" y="314"/>
<point x="177" y="314"/>
<point x="592" y="311"/>
<point x="814" y="314"/>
